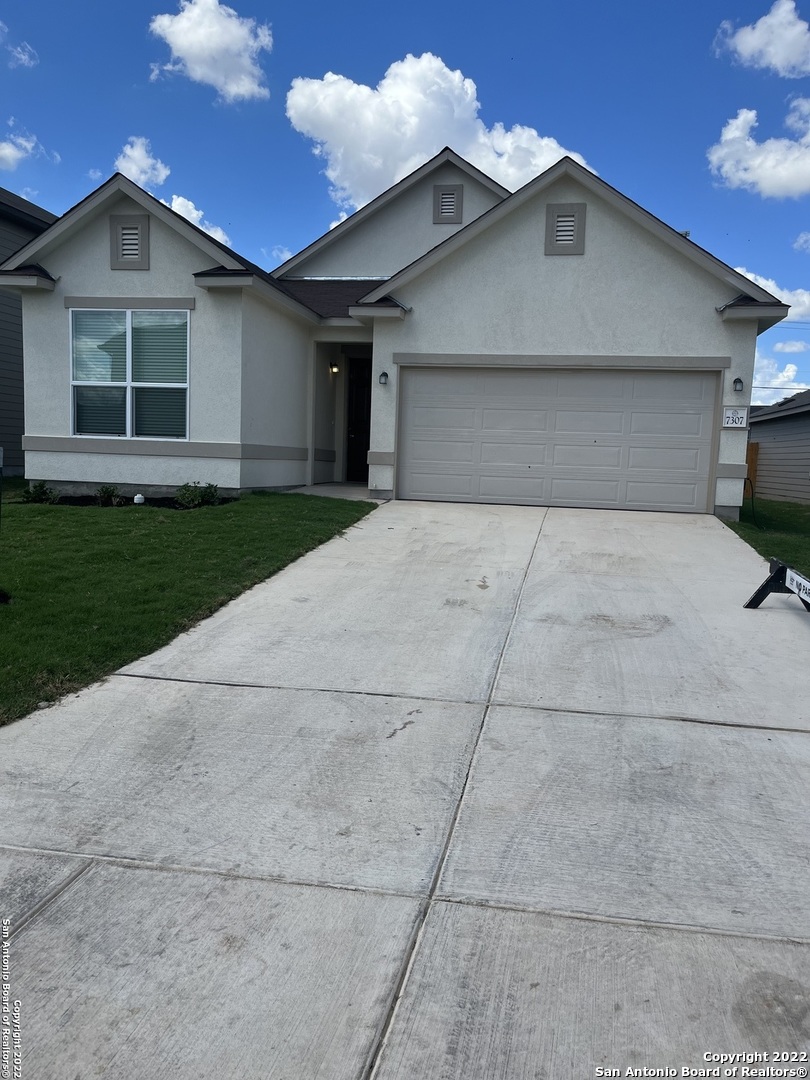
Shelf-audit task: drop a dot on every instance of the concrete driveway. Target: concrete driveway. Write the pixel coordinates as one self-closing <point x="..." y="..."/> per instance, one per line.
<point x="470" y="793"/>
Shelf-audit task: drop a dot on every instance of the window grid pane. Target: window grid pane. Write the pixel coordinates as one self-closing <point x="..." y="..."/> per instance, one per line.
<point x="158" y="412"/>
<point x="100" y="410"/>
<point x="99" y="346"/>
<point x="159" y="346"/>
<point x="131" y="347"/>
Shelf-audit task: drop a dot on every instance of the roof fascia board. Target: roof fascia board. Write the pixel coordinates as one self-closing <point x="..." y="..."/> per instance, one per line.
<point x="369" y="314"/>
<point x="382" y="200"/>
<point x="261" y="289"/>
<point x="568" y="167"/>
<point x="755" y="312"/>
<point x="765" y="315"/>
<point x="774" y="412"/>
<point x="27" y="282"/>
<point x="94" y="203"/>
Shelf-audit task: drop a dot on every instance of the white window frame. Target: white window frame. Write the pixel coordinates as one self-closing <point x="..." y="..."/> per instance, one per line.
<point x="129" y="385"/>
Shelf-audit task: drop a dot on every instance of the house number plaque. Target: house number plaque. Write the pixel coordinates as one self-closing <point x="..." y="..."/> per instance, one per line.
<point x="735" y="418"/>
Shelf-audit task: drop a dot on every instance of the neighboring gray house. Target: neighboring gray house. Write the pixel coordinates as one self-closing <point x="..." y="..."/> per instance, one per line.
<point x="782" y="432"/>
<point x="449" y="341"/>
<point x="20" y="220"/>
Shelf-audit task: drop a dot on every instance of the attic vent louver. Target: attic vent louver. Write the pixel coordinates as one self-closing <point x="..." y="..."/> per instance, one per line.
<point x="565" y="229"/>
<point x="447" y="203"/>
<point x="447" y="199"/>
<point x="130" y="242"/>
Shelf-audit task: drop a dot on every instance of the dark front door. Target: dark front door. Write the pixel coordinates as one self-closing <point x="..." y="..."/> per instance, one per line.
<point x="358" y="421"/>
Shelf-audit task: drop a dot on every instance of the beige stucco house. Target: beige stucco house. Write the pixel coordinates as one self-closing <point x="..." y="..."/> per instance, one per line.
<point x="449" y="341"/>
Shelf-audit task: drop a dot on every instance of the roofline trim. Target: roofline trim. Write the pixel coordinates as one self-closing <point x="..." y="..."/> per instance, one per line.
<point x="359" y="216"/>
<point x="566" y="166"/>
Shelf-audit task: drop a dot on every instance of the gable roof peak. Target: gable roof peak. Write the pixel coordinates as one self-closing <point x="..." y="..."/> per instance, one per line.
<point x="447" y="154"/>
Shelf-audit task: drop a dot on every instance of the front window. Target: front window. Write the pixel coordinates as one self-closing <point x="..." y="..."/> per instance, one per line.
<point x="130" y="373"/>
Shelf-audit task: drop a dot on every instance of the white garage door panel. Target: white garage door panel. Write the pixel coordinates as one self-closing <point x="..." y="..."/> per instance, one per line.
<point x="640" y="440"/>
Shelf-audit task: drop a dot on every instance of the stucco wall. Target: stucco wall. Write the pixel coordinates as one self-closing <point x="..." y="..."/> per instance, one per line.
<point x="630" y="294"/>
<point x="130" y="469"/>
<point x="400" y="232"/>
<point x="276" y="355"/>
<point x="82" y="267"/>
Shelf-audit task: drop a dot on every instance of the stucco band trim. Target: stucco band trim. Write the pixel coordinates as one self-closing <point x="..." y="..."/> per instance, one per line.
<point x="731" y="472"/>
<point x="380" y="457"/>
<point x="162" y="448"/>
<point x="150" y="303"/>
<point x="324" y="455"/>
<point x="491" y="360"/>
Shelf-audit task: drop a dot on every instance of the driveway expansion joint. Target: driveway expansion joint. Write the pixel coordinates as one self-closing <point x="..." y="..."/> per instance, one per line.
<point x="396" y="695"/>
<point x="413" y="947"/>
<point x="133" y="863"/>
<point x="599" y="714"/>
<point x="617" y="920"/>
<point x="52" y="896"/>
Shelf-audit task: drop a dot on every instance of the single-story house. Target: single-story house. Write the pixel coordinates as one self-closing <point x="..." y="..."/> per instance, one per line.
<point x="782" y="435"/>
<point x="20" y="220"/>
<point x="450" y="341"/>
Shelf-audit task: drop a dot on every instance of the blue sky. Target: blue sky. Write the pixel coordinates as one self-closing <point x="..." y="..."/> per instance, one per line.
<point x="699" y="111"/>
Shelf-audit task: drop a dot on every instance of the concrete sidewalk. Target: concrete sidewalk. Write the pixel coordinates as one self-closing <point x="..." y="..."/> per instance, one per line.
<point x="470" y="793"/>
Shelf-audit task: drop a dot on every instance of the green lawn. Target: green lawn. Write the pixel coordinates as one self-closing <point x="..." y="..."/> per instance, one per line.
<point x="93" y="588"/>
<point x="781" y="531"/>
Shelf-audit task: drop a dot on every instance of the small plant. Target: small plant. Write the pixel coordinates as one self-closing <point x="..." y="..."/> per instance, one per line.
<point x="40" y="493"/>
<point x="109" y="495"/>
<point x="192" y="496"/>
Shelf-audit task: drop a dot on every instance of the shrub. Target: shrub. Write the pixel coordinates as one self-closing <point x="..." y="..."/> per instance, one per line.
<point x="192" y="496"/>
<point x="109" y="495"/>
<point x="40" y="493"/>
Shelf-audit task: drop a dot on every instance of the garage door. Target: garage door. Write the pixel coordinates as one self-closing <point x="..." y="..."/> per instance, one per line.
<point x="613" y="439"/>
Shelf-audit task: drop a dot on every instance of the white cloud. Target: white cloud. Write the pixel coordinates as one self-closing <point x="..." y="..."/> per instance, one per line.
<point x="802" y="242"/>
<point x="22" y="55"/>
<point x="187" y="209"/>
<point x="372" y="137"/>
<point x="779" y="41"/>
<point x="791" y="346"/>
<point x="767" y="373"/>
<point x="211" y="44"/>
<point x="279" y="253"/>
<point x="136" y="162"/>
<point x="799" y="299"/>
<point x="95" y="174"/>
<point x="777" y="168"/>
<point x="338" y="220"/>
<point x="15" y="149"/>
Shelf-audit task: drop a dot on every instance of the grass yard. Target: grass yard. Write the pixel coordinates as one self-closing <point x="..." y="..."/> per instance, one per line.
<point x="93" y="588"/>
<point x="782" y="531"/>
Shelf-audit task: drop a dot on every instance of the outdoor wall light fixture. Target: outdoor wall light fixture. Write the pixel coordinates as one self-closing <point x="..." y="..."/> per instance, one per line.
<point x="383" y="378"/>
<point x="738" y="385"/>
<point x="333" y="367"/>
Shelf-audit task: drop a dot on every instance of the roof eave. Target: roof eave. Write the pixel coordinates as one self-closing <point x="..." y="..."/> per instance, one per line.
<point x="364" y="313"/>
<point x="94" y="203"/>
<point x="568" y="167"/>
<point x="247" y="280"/>
<point x="765" y="315"/>
<point x="27" y="282"/>
<point x="359" y="216"/>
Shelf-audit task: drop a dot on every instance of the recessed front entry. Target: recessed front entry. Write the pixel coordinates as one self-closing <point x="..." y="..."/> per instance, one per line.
<point x="358" y="420"/>
<point x="637" y="440"/>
